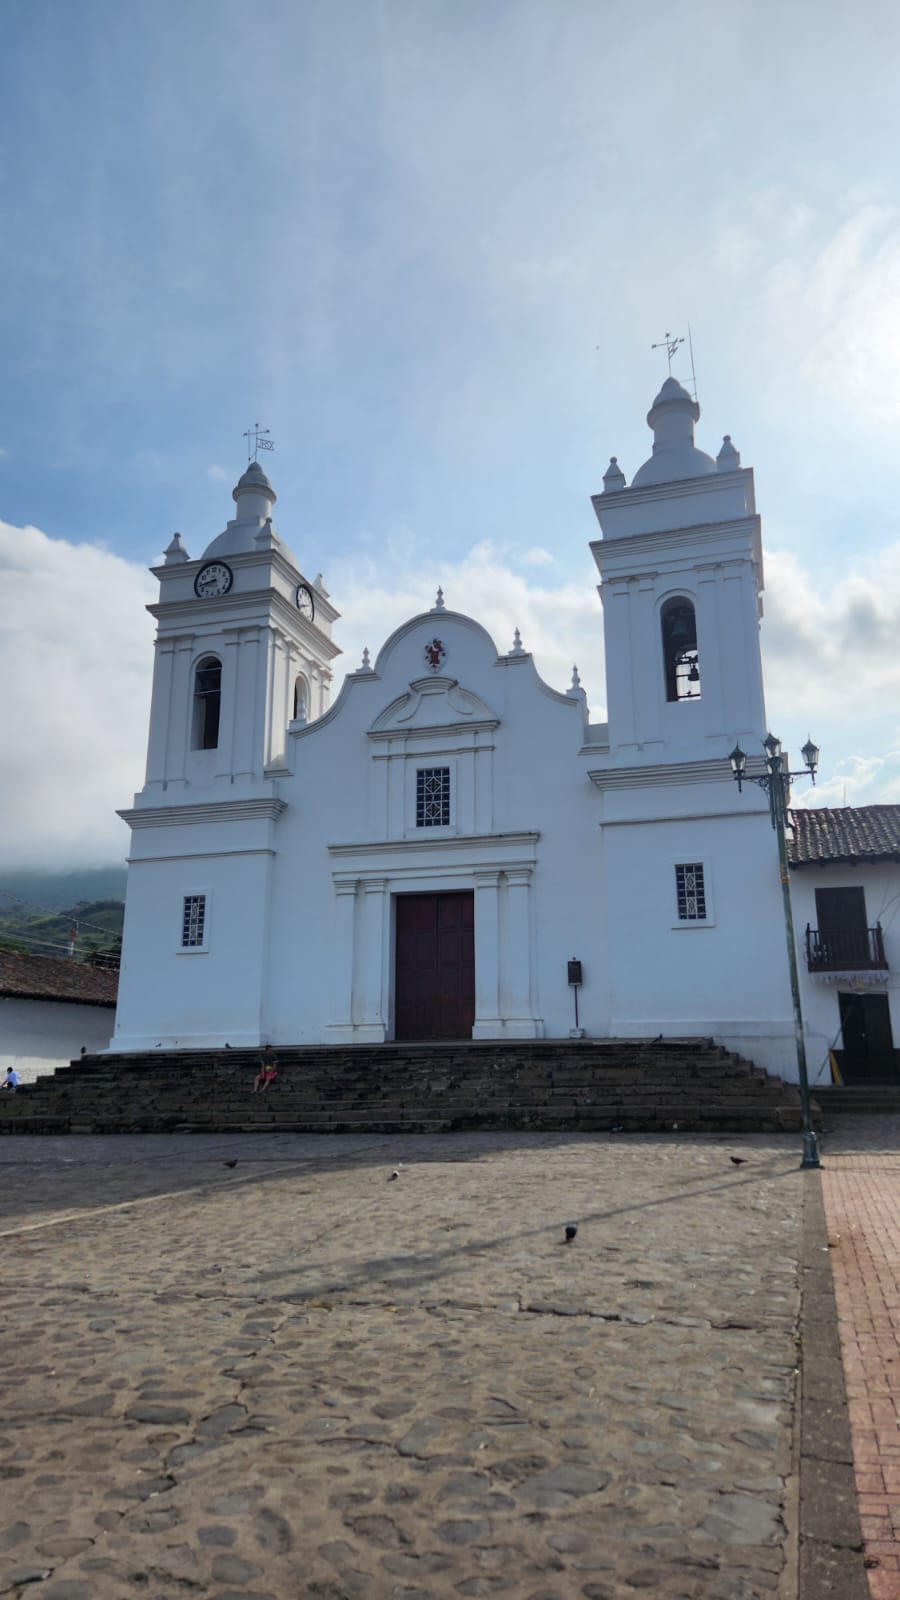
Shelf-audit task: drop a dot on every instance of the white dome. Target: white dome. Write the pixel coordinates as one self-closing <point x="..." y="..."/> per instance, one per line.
<point x="675" y="455"/>
<point x="254" y="498"/>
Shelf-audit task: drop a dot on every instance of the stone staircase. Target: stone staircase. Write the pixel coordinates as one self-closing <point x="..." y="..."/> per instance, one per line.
<point x="583" y="1086"/>
<point x="841" y="1099"/>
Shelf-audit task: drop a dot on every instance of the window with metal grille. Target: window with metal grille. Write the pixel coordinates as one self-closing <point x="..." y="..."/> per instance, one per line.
<point x="193" y="922"/>
<point x="432" y="797"/>
<point x="691" y="891"/>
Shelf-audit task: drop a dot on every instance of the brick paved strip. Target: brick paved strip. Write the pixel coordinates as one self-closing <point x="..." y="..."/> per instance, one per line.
<point x="862" y="1205"/>
<point x="830" y="1536"/>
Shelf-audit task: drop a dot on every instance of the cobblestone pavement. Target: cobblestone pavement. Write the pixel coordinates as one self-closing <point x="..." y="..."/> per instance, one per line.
<point x="861" y="1190"/>
<point x="254" y="1368"/>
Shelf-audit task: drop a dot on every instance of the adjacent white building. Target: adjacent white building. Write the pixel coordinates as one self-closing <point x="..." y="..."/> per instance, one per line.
<point x="425" y="857"/>
<point x="845" y="893"/>
<point x="51" y="1010"/>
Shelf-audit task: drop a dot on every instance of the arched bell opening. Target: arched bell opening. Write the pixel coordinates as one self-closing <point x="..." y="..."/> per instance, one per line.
<point x="681" y="662"/>
<point x="207" y="703"/>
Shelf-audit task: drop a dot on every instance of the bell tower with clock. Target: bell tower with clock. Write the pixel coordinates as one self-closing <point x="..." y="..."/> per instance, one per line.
<point x="243" y="651"/>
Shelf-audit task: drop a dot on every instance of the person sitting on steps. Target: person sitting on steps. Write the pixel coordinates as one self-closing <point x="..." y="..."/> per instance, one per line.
<point x="268" y="1071"/>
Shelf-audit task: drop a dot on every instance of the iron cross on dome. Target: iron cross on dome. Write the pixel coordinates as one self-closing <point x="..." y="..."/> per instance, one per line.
<point x="258" y="439"/>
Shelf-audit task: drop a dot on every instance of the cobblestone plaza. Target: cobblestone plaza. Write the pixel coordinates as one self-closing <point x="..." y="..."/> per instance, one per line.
<point x="266" y="1367"/>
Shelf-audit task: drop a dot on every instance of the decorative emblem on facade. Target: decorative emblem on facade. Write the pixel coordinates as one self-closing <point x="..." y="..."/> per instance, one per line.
<point x="435" y="654"/>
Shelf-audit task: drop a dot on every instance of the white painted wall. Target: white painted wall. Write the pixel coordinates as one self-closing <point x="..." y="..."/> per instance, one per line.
<point x="819" y="998"/>
<point x="302" y="836"/>
<point x="37" y="1036"/>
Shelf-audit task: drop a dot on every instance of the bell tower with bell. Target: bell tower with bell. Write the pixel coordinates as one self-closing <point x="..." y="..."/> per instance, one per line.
<point x="243" y="652"/>
<point x="680" y="562"/>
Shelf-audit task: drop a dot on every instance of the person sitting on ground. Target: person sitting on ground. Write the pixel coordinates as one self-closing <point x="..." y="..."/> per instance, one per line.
<point x="267" y="1070"/>
<point x="11" y="1081"/>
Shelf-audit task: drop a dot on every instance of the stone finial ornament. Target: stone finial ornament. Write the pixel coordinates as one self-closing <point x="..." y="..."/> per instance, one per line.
<point x="576" y="688"/>
<point x="439" y="601"/>
<point x="267" y="538"/>
<point x="613" y="477"/>
<point x="366" y="663"/>
<point x="517" y="647"/>
<point x="175" y="551"/>
<point x="728" y="459"/>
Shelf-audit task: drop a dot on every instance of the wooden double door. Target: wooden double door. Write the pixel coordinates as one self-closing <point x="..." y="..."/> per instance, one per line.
<point x="434" y="990"/>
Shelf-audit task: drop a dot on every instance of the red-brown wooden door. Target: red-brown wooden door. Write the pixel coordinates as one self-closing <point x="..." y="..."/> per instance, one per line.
<point x="434" y="996"/>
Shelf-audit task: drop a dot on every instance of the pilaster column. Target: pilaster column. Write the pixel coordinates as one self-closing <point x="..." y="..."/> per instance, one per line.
<point x="371" y="955"/>
<point x="160" y="711"/>
<point x="712" y="632"/>
<point x="487" y="956"/>
<point x="344" y="930"/>
<point x="516" y="992"/>
<point x="181" y="711"/>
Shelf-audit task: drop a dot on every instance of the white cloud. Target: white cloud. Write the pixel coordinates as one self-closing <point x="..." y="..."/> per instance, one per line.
<point x="76" y="657"/>
<point x="833" y="668"/>
<point x="823" y="289"/>
<point x="217" y="474"/>
<point x="75" y="664"/>
<point x="538" y="557"/>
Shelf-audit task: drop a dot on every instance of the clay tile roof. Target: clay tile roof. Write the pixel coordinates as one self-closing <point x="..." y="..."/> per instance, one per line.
<point x="845" y="833"/>
<point x="46" y="978"/>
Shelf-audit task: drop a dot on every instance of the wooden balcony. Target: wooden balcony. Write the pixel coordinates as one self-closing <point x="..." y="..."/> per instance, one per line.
<point x="845" y="949"/>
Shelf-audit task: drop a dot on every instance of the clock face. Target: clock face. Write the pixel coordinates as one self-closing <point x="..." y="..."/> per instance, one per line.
<point x="214" y="579"/>
<point x="306" y="605"/>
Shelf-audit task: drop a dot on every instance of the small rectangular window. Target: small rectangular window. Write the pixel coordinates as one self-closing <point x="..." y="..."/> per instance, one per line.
<point x="432" y="797"/>
<point x="691" y="891"/>
<point x="193" y="922"/>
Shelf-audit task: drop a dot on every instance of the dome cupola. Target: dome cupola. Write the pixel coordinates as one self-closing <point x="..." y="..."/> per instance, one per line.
<point x="675" y="455"/>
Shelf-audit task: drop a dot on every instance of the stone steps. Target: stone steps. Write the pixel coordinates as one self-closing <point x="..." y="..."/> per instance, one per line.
<point x="545" y="1085"/>
<point x="859" y="1099"/>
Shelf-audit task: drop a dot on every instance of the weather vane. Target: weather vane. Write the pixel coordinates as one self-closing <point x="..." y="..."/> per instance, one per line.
<point x="670" y="345"/>
<point x="257" y="439"/>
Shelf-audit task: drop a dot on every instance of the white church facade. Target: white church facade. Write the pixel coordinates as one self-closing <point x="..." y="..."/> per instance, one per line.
<point x="423" y="858"/>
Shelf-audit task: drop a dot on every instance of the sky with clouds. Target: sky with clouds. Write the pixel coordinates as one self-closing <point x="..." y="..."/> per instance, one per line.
<point x="430" y="243"/>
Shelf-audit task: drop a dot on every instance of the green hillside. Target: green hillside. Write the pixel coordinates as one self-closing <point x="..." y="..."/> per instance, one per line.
<point x="25" y="927"/>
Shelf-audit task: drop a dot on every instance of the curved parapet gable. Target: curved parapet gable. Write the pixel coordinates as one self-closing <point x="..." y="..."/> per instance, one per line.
<point x="433" y="703"/>
<point x="434" y="621"/>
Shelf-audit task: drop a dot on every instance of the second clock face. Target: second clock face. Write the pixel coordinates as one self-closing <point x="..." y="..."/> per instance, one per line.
<point x="214" y="579"/>
<point x="306" y="605"/>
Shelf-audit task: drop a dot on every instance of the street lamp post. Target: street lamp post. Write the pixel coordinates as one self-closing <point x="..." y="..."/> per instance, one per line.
<point x="775" y="781"/>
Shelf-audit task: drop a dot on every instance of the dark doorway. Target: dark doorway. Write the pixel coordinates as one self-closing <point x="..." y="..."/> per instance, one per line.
<point x="435" y="969"/>
<point x="868" y="1053"/>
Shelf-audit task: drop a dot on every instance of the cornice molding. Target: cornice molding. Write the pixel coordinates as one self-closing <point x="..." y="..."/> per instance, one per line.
<point x="266" y="809"/>
<point x="433" y="733"/>
<point x="230" y="615"/>
<point x="672" y="489"/>
<point x="467" y="842"/>
<point x="661" y="539"/>
<point x="662" y="775"/>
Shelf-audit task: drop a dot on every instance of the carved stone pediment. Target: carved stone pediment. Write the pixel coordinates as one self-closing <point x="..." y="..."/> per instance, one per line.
<point x="433" y="703"/>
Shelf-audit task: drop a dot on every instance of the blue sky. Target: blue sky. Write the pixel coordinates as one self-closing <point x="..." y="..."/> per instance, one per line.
<point x="430" y="245"/>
